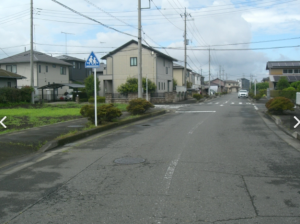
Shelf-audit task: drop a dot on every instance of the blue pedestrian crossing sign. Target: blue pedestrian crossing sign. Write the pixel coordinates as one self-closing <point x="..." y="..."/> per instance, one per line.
<point x="92" y="61"/>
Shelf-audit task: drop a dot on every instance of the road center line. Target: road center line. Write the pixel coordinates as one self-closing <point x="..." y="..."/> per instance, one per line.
<point x="255" y="108"/>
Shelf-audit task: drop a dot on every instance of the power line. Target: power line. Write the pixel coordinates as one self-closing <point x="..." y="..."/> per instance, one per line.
<point x="166" y="17"/>
<point x="92" y="19"/>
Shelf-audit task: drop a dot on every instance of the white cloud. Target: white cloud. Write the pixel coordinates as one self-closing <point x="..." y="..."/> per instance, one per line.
<point x="236" y="27"/>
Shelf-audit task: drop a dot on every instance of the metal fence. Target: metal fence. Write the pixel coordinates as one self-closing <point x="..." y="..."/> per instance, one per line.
<point x="119" y="95"/>
<point x="157" y="95"/>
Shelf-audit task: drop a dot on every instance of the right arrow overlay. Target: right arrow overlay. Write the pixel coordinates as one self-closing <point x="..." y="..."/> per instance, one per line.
<point x="1" y="122"/>
<point x="297" y="121"/>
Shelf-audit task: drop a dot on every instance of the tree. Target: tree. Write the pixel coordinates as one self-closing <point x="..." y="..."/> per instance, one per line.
<point x="174" y="84"/>
<point x="89" y="85"/>
<point x="282" y="83"/>
<point x="189" y="84"/>
<point x="131" y="86"/>
<point x="259" y="86"/>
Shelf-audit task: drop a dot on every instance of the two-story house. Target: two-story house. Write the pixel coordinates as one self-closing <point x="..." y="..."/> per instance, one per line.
<point x="232" y="86"/>
<point x="220" y="83"/>
<point x="178" y="74"/>
<point x="77" y="71"/>
<point x="46" y="69"/>
<point x="122" y="63"/>
<point x="244" y="83"/>
<point x="277" y="69"/>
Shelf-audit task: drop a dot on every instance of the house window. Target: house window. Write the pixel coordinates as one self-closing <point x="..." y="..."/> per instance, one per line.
<point x="9" y="84"/>
<point x="164" y="62"/>
<point x="46" y="68"/>
<point x="290" y="71"/>
<point x="164" y="85"/>
<point x="166" y="70"/>
<point x="133" y="61"/>
<point x="11" y="68"/>
<point x="62" y="70"/>
<point x="74" y="64"/>
<point x="79" y="65"/>
<point x="296" y="70"/>
<point x="158" y="85"/>
<point x="40" y="68"/>
<point x="54" y="66"/>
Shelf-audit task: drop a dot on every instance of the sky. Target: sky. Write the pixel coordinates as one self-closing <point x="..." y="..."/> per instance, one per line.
<point x="242" y="35"/>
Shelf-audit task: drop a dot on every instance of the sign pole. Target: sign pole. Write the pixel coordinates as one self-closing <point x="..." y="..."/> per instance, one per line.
<point x="95" y="95"/>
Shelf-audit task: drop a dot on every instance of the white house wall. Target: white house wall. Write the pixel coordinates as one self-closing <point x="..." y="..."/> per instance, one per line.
<point x="41" y="79"/>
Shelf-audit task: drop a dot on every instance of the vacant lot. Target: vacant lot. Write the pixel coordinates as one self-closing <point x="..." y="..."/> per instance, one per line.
<point x="28" y="116"/>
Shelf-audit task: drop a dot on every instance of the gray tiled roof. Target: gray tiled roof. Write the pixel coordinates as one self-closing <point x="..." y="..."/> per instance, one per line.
<point x="10" y="75"/>
<point x="24" y="57"/>
<point x="69" y="58"/>
<point x="282" y="64"/>
<point x="175" y="65"/>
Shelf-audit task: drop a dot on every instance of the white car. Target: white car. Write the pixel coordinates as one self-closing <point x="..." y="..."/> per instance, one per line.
<point x="243" y="93"/>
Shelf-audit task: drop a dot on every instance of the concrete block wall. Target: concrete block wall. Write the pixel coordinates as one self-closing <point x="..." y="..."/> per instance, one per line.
<point x="131" y="96"/>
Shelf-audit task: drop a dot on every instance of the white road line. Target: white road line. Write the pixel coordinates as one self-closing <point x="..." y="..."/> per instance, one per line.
<point x="232" y="103"/>
<point x="167" y="179"/>
<point x="189" y="112"/>
<point x="226" y="102"/>
<point x="209" y="103"/>
<point x="248" y="103"/>
<point x="255" y="108"/>
<point x="240" y="103"/>
<point x="194" y="128"/>
<point x="221" y="105"/>
<point x="200" y="103"/>
<point x="217" y="102"/>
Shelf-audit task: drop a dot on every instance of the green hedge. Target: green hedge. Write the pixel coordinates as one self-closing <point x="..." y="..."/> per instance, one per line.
<point x="282" y="93"/>
<point x="14" y="95"/>
<point x="100" y="99"/>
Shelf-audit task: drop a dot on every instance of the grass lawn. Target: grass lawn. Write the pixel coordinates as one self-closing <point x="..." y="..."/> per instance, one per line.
<point x="28" y="116"/>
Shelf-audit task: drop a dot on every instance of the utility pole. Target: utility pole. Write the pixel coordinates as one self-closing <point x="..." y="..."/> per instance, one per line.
<point x="140" y="94"/>
<point x="250" y="82"/>
<point x="66" y="40"/>
<point x="255" y="88"/>
<point x="220" y="77"/>
<point x="185" y="43"/>
<point x="139" y="59"/>
<point x="31" y="49"/>
<point x="209" y="71"/>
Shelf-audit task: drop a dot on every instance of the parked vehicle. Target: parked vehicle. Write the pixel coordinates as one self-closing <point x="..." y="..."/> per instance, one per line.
<point x="243" y="93"/>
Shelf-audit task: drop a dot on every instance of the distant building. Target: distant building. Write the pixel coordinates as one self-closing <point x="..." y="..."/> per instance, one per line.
<point x="232" y="86"/>
<point x="278" y="69"/>
<point x="78" y="72"/>
<point x="244" y="83"/>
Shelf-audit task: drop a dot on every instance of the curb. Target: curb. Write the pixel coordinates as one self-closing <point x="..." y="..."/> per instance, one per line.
<point x="83" y="134"/>
<point x="278" y="122"/>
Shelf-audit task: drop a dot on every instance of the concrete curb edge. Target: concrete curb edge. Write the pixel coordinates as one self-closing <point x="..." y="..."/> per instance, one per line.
<point x="83" y="134"/>
<point x="278" y="122"/>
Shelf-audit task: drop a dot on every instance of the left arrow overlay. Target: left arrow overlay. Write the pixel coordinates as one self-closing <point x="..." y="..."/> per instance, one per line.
<point x="1" y="122"/>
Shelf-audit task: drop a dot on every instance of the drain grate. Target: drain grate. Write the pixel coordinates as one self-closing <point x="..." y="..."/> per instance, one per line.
<point x="145" y="125"/>
<point x="129" y="160"/>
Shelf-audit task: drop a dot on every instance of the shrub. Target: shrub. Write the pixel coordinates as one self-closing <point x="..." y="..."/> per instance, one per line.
<point x="251" y="95"/>
<point x="100" y="99"/>
<point x="283" y="83"/>
<point x="197" y="96"/>
<point x="257" y="97"/>
<point x="13" y="95"/>
<point x="138" y="106"/>
<point x="289" y="89"/>
<point x="105" y="112"/>
<point x="279" y="104"/>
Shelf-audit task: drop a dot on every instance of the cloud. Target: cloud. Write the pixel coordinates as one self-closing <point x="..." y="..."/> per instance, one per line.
<point x="210" y="26"/>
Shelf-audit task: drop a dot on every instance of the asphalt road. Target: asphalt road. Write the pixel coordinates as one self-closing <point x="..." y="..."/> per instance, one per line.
<point x="215" y="162"/>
